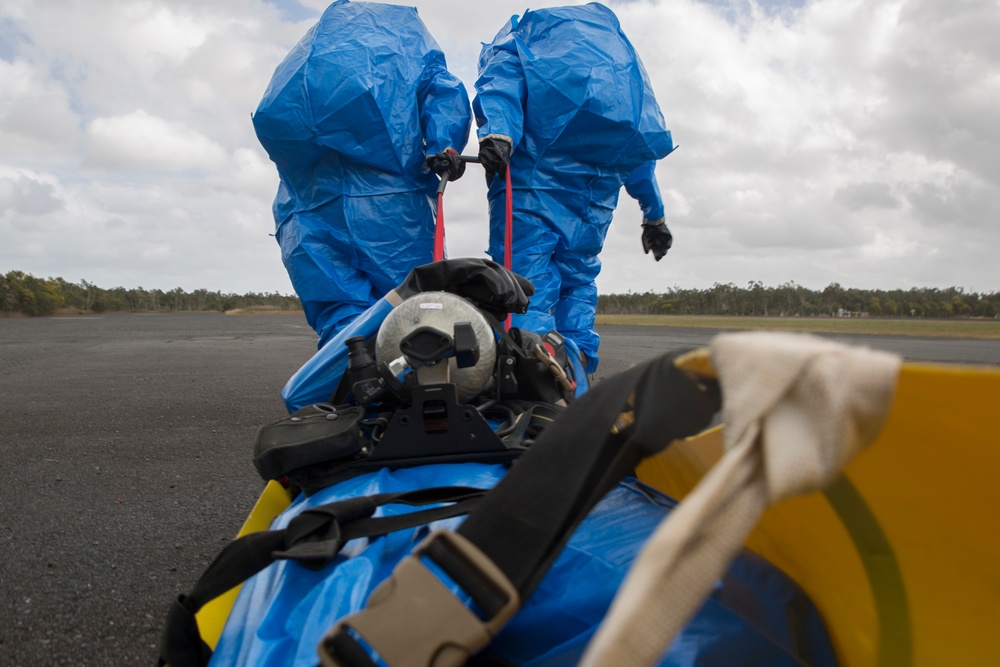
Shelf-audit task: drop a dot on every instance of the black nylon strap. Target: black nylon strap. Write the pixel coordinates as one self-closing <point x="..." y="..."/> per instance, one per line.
<point x="468" y="579"/>
<point x="350" y="650"/>
<point x="524" y="522"/>
<point x="316" y="536"/>
<point x="526" y="418"/>
<point x="313" y="538"/>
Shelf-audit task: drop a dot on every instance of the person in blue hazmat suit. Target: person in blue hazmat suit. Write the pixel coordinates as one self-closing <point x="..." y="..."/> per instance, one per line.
<point x="349" y="119"/>
<point x="564" y="99"/>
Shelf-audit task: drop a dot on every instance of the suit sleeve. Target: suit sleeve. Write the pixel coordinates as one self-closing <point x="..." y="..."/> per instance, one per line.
<point x="641" y="186"/>
<point x="500" y="91"/>
<point x="444" y="110"/>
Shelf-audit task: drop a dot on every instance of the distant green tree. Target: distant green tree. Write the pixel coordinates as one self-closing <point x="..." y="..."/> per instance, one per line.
<point x="24" y="293"/>
<point x="29" y="295"/>
<point x="48" y="296"/>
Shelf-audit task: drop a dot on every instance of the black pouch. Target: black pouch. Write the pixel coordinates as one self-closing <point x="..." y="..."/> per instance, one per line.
<point x="315" y="434"/>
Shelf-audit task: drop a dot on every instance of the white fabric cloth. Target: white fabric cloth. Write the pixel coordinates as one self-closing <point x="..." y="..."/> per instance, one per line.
<point x="797" y="409"/>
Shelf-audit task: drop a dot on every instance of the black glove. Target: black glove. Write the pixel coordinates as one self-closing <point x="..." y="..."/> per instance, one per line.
<point x="485" y="283"/>
<point x="494" y="155"/>
<point x="447" y="162"/>
<point x="656" y="237"/>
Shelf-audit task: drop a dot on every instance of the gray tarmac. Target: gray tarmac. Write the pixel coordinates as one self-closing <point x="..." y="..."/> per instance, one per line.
<point x="125" y="452"/>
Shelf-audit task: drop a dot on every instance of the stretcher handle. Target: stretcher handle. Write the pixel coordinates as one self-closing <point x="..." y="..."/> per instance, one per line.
<point x="444" y="176"/>
<point x="508" y="237"/>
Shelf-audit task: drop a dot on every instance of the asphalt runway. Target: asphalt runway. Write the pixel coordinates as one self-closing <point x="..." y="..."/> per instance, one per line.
<point x="622" y="345"/>
<point x="125" y="448"/>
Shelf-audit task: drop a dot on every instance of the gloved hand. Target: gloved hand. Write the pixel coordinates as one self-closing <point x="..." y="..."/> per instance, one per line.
<point x="656" y="237"/>
<point x="494" y="154"/>
<point x="447" y="161"/>
<point x="485" y="283"/>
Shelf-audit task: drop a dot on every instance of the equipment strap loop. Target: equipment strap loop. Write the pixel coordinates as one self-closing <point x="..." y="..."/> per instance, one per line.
<point x="313" y="538"/>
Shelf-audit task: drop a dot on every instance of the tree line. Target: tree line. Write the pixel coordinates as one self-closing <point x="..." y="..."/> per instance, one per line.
<point x="24" y="293"/>
<point x="28" y="295"/>
<point x="793" y="300"/>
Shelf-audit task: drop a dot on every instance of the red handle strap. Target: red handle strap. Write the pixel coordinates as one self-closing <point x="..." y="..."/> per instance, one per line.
<point x="439" y="229"/>
<point x="508" y="236"/>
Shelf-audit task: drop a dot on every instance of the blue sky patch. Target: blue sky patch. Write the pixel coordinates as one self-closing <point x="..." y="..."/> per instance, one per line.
<point x="293" y="10"/>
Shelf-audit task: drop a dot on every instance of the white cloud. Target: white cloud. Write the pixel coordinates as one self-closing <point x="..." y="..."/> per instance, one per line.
<point x="36" y="122"/>
<point x="775" y="115"/>
<point x="830" y="140"/>
<point x="25" y="194"/>
<point x="140" y="140"/>
<point x="248" y="171"/>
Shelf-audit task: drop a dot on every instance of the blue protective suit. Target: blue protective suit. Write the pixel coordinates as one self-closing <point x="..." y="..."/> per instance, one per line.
<point x="569" y="90"/>
<point x="348" y="118"/>
<point x="755" y="616"/>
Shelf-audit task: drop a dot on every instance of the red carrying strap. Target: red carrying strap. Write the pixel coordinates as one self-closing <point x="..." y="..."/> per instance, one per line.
<point x="439" y="229"/>
<point x="508" y="236"/>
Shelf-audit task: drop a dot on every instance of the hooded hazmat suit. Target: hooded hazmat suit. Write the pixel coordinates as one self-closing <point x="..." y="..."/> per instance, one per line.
<point x="348" y="119"/>
<point x="566" y="86"/>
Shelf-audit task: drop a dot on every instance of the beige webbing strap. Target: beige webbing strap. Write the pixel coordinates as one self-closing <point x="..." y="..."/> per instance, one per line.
<point x="797" y="409"/>
<point x="412" y="618"/>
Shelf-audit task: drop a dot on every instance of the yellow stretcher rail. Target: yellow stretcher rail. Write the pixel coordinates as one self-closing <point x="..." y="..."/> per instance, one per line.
<point x="212" y="617"/>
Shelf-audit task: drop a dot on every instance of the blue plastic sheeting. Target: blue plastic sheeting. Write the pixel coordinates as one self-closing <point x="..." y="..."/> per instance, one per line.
<point x="567" y="87"/>
<point x="755" y="616"/>
<point x="577" y="364"/>
<point x="319" y="377"/>
<point x="345" y="120"/>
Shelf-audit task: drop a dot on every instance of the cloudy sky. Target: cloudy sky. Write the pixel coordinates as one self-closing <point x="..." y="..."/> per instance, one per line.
<point x="850" y="141"/>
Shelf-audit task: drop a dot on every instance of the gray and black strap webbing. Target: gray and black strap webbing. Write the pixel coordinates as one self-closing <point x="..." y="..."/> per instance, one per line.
<point x="313" y="538"/>
<point x="505" y="546"/>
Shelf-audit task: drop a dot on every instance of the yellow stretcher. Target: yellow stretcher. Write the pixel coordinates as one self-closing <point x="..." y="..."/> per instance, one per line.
<point x="900" y="555"/>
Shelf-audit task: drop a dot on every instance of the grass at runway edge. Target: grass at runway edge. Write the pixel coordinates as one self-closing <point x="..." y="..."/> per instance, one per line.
<point x="929" y="328"/>
<point x="975" y="329"/>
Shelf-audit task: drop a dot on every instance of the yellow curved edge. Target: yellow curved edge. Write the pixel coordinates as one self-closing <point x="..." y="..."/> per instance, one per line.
<point x="900" y="555"/>
<point x="212" y="617"/>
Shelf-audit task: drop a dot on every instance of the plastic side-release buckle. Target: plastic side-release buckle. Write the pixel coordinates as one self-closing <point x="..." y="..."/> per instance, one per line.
<point x="412" y="619"/>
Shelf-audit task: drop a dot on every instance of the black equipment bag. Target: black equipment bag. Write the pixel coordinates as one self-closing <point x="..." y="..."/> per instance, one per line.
<point x="315" y="434"/>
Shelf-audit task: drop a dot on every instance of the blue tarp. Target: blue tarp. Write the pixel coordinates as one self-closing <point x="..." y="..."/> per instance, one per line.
<point x="755" y="616"/>
<point x="567" y="87"/>
<point x="319" y="377"/>
<point x="348" y="119"/>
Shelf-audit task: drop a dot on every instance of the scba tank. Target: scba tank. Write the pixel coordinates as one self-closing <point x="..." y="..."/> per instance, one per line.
<point x="441" y="311"/>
